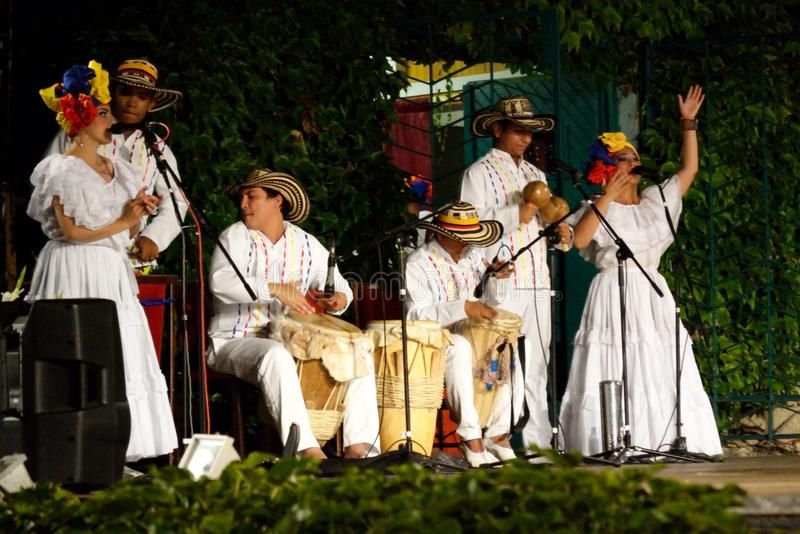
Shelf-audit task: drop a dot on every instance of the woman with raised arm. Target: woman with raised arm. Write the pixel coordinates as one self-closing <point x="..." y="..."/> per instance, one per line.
<point x="89" y="207"/>
<point x="641" y="221"/>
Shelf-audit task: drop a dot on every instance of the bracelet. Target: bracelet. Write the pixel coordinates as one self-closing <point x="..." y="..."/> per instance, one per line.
<point x="688" y="124"/>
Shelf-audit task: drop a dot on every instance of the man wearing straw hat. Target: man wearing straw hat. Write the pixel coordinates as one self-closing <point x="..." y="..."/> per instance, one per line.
<point x="285" y="266"/>
<point x="441" y="276"/>
<point x="494" y="185"/>
<point x="134" y="94"/>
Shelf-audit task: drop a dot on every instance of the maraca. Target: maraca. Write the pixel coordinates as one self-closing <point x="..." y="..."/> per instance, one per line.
<point x="551" y="208"/>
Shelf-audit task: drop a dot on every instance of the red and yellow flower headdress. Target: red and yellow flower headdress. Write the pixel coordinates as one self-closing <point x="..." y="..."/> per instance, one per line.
<point x="601" y="166"/>
<point x="76" y="97"/>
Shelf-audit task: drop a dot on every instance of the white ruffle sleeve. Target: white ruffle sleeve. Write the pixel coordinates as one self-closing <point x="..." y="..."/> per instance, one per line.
<point x="85" y="197"/>
<point x="642" y="226"/>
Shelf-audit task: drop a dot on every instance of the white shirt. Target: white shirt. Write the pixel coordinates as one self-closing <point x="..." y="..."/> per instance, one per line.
<point x="438" y="286"/>
<point x="296" y="257"/>
<point x="494" y="185"/>
<point x="163" y="227"/>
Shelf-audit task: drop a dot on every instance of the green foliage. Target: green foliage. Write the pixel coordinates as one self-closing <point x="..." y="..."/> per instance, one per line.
<point x="279" y="86"/>
<point x="289" y="497"/>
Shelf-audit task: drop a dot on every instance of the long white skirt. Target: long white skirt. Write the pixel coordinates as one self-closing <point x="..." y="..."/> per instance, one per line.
<point x="66" y="270"/>
<point x="650" y="346"/>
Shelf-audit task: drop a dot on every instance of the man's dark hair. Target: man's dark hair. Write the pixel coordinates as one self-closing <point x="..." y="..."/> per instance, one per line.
<point x="504" y="123"/>
<point x="271" y="193"/>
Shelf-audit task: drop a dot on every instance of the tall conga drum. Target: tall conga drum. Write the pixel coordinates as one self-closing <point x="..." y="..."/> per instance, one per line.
<point x="427" y="341"/>
<point x="329" y="352"/>
<point x="492" y="344"/>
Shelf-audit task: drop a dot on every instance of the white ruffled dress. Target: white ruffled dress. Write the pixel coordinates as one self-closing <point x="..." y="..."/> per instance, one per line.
<point x="650" y="342"/>
<point x="100" y="269"/>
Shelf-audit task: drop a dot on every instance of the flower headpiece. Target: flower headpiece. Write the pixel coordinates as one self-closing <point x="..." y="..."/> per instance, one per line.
<point x="76" y="97"/>
<point x="421" y="189"/>
<point x="601" y="166"/>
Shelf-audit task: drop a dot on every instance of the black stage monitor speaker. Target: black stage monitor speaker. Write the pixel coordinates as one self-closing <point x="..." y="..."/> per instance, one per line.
<point x="76" y="421"/>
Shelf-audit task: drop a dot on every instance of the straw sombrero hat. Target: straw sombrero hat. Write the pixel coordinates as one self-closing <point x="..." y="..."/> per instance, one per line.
<point x="516" y="109"/>
<point x="461" y="222"/>
<point x="143" y="74"/>
<point x="285" y="184"/>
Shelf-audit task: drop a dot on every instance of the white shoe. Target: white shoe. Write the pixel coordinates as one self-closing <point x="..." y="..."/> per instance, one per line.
<point x="475" y="459"/>
<point x="501" y="453"/>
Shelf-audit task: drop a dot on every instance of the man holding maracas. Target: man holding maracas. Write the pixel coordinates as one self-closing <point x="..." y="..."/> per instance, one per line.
<point x="494" y="185"/>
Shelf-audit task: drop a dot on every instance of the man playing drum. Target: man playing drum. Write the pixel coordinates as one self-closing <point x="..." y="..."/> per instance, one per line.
<point x="441" y="277"/>
<point x="285" y="266"/>
<point x="494" y="185"/>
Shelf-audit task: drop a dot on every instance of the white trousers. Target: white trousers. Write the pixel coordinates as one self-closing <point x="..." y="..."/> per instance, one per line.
<point x="267" y="364"/>
<point x="534" y="308"/>
<point x="460" y="395"/>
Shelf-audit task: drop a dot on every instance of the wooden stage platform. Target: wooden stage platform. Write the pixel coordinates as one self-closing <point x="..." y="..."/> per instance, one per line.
<point x="772" y="484"/>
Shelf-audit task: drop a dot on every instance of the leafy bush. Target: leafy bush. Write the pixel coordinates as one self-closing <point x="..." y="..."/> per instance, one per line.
<point x="290" y="497"/>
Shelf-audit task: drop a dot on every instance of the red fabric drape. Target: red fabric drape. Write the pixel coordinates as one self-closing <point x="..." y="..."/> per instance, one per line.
<point x="410" y="149"/>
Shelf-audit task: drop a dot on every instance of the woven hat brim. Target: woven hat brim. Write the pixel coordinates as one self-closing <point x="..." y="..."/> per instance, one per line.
<point x="482" y="122"/>
<point x="163" y="98"/>
<point x="488" y="234"/>
<point x="290" y="190"/>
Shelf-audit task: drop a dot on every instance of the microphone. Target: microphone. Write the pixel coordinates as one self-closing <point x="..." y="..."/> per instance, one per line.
<point x="646" y="172"/>
<point x="122" y="127"/>
<point x="330" y="285"/>
<point x="558" y="165"/>
<point x="478" y="293"/>
<point x="145" y="126"/>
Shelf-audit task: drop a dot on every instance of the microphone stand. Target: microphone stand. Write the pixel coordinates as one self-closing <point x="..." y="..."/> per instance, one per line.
<point x="171" y="180"/>
<point x="621" y="454"/>
<point x="678" y="446"/>
<point x="406" y="451"/>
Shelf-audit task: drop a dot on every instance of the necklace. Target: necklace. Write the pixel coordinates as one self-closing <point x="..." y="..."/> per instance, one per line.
<point x="104" y="168"/>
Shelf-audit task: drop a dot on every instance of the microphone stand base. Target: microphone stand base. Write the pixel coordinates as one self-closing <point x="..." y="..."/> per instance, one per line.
<point x="633" y="454"/>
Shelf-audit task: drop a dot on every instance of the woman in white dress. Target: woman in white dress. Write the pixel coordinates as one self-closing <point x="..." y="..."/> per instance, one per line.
<point x="89" y="207"/>
<point x="640" y="220"/>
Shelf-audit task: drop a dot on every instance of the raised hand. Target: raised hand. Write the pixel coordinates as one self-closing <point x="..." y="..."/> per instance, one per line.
<point x="690" y="105"/>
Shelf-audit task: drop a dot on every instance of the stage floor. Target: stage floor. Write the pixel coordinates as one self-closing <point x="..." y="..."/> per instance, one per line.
<point x="772" y="484"/>
<point x="758" y="476"/>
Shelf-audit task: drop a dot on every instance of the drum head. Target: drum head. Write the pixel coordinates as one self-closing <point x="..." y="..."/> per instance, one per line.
<point x="324" y="323"/>
<point x="505" y="321"/>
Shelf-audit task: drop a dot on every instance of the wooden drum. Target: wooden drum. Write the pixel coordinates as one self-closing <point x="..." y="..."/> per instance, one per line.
<point x="427" y="341"/>
<point x="329" y="352"/>
<point x="492" y="344"/>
